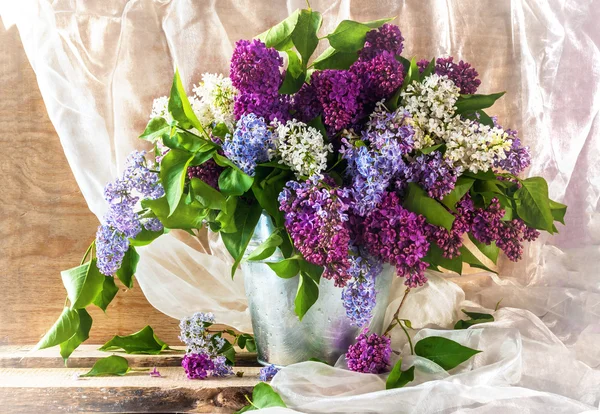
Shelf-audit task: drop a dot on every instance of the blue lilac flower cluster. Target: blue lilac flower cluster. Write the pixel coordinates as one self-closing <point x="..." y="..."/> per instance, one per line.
<point x="202" y="353"/>
<point x="267" y="373"/>
<point x="250" y="144"/>
<point x="121" y="222"/>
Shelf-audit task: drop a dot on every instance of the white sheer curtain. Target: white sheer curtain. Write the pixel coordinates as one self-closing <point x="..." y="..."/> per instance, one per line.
<point x="99" y="64"/>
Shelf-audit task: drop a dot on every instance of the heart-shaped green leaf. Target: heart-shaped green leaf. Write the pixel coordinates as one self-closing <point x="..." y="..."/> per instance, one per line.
<point x="398" y="378"/>
<point x="112" y="365"/>
<point x="83" y="284"/>
<point x="445" y="352"/>
<point x="141" y="342"/>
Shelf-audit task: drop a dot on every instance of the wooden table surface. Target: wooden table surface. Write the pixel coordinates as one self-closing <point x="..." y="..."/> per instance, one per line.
<point x="30" y="382"/>
<point x="46" y="225"/>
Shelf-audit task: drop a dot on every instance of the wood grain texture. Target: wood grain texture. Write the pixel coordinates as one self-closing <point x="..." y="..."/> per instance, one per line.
<point x="45" y="223"/>
<point x="59" y="390"/>
<point x="19" y="356"/>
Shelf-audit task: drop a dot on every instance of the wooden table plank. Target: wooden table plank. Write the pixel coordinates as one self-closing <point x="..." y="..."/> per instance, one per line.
<point x="86" y="355"/>
<point x="59" y="390"/>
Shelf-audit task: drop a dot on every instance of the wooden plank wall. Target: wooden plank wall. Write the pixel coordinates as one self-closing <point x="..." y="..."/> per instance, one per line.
<point x="45" y="225"/>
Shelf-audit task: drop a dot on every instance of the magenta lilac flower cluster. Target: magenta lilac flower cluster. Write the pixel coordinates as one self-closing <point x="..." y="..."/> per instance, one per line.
<point x="397" y="236"/>
<point x="370" y="354"/>
<point x="386" y="39"/>
<point x="121" y="222"/>
<point x="256" y="73"/>
<point x="316" y="217"/>
<point x="462" y="73"/>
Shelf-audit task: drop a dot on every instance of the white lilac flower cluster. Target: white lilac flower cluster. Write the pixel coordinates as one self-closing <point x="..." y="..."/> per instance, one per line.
<point x="302" y="148"/>
<point x="214" y="100"/>
<point x="469" y="145"/>
<point x="194" y="333"/>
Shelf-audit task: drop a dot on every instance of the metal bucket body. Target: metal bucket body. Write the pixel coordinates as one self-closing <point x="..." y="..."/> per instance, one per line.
<point x="324" y="333"/>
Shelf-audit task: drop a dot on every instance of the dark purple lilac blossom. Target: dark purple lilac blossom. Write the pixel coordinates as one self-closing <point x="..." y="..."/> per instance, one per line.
<point x="370" y="354"/>
<point x="433" y="173"/>
<point x="267" y="373"/>
<point x="397" y="236"/>
<point x="121" y="222"/>
<point x="387" y="38"/>
<point x="255" y="68"/>
<point x="422" y="65"/>
<point x="269" y="107"/>
<point x="208" y="172"/>
<point x="306" y="103"/>
<point x="359" y="295"/>
<point x="250" y="144"/>
<point x="379" y="76"/>
<point x="197" y="366"/>
<point x="338" y="92"/>
<point x="316" y="219"/>
<point x="461" y="73"/>
<point x="451" y="241"/>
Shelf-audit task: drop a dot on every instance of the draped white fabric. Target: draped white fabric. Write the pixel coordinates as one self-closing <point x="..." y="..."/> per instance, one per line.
<point x="99" y="64"/>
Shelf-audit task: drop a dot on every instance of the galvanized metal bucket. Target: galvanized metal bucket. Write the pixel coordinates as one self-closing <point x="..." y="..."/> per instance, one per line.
<point x="325" y="332"/>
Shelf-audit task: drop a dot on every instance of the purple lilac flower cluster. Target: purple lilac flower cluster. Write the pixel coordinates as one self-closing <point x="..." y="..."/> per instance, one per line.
<point x="517" y="157"/>
<point x="208" y="172"/>
<point x="359" y="295"/>
<point x="397" y="236"/>
<point x="379" y="76"/>
<point x="202" y="348"/>
<point x="451" y="241"/>
<point x="462" y="74"/>
<point x="370" y="354"/>
<point x="388" y="38"/>
<point x="338" y="92"/>
<point x="433" y="173"/>
<point x="250" y="144"/>
<point x="317" y="220"/>
<point x="267" y="373"/>
<point x="121" y="222"/>
<point x="372" y="168"/>
<point x="256" y="73"/>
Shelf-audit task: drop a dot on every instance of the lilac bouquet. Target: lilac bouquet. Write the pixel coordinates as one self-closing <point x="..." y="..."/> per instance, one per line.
<point x="360" y="157"/>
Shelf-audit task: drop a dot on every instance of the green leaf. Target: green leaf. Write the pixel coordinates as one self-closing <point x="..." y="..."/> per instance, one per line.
<point x="429" y="69"/>
<point x="480" y="116"/>
<point x="228" y="351"/>
<point x="155" y="129"/>
<point x="418" y="202"/>
<point x="435" y="257"/>
<point x="263" y="396"/>
<point x="267" y="194"/>
<point x="112" y="365"/>
<point x="267" y="248"/>
<point x="107" y="294"/>
<point x="279" y="35"/>
<point x="399" y="378"/>
<point x="533" y="204"/>
<point x="220" y="130"/>
<point x="141" y="342"/>
<point x="81" y="335"/>
<point x="179" y="106"/>
<point x="246" y="341"/>
<point x="304" y="35"/>
<point x="444" y="352"/>
<point x="412" y="74"/>
<point x="145" y="237"/>
<point x="173" y="170"/>
<point x="306" y="296"/>
<point x="63" y="329"/>
<point x="226" y="217"/>
<point x="375" y="24"/>
<point x="286" y="268"/>
<point x="476" y="318"/>
<point x="207" y="195"/>
<point x="83" y="283"/>
<point x="246" y="218"/>
<point x="349" y="36"/>
<point x="294" y="75"/>
<point x="317" y="123"/>
<point x="233" y="181"/>
<point x="128" y="267"/>
<point x="491" y="251"/>
<point x="188" y="142"/>
<point x="462" y="187"/>
<point x="334" y="59"/>
<point x="469" y="103"/>
<point x="470" y="258"/>
<point x="201" y="157"/>
<point x="429" y="150"/>
<point x="186" y="216"/>
<point x="312" y="270"/>
<point x="558" y="211"/>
